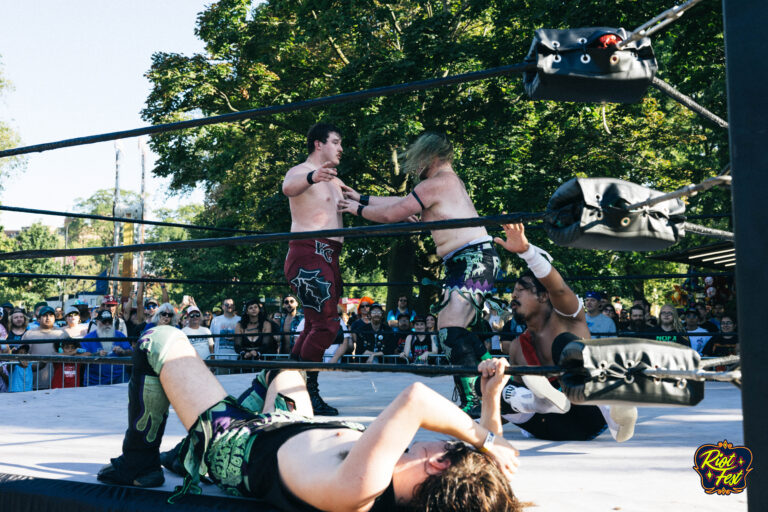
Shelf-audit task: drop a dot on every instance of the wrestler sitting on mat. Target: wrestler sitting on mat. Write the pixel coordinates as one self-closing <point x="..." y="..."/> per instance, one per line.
<point x="267" y="454"/>
<point x="468" y="254"/>
<point x="554" y="316"/>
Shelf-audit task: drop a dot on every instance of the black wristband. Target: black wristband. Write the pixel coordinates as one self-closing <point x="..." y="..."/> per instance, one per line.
<point x="360" y="210"/>
<point x="364" y="199"/>
<point x="309" y="178"/>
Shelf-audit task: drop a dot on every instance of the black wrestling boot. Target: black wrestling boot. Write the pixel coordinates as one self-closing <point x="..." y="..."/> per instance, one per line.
<point x="170" y="460"/>
<point x="318" y="404"/>
<point x="463" y="348"/>
<point x="469" y="400"/>
<point x="139" y="464"/>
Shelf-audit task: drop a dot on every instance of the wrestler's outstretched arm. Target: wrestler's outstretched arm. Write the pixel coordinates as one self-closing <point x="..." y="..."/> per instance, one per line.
<point x="374" y="455"/>
<point x="560" y="294"/>
<point x="402" y="209"/>
<point x="354" y="195"/>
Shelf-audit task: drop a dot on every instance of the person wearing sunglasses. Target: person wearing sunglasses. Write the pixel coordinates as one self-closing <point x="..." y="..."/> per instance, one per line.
<point x="98" y="342"/>
<point x="204" y="346"/>
<point x="165" y="314"/>
<point x="289" y="322"/>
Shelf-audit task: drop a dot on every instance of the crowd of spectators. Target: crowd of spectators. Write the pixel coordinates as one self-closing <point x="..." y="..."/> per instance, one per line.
<point x="367" y="333"/>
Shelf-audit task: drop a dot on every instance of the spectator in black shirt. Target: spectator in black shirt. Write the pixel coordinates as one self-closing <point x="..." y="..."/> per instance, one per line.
<point x="726" y="343"/>
<point x="670" y="326"/>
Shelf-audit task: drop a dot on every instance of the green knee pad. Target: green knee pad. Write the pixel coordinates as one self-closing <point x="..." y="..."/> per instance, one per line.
<point x="161" y="342"/>
<point x="155" y="409"/>
<point x="253" y="398"/>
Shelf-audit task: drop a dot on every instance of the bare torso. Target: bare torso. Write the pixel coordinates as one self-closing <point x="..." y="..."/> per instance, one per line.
<point x="449" y="200"/>
<point x="544" y="333"/>
<point x="315" y="208"/>
<point x="322" y="452"/>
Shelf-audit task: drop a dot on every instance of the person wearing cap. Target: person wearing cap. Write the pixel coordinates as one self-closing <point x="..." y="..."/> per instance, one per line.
<point x="138" y="319"/>
<point x="94" y="344"/>
<point x="597" y="322"/>
<point x="73" y="326"/>
<point x="692" y="327"/>
<point x="109" y="303"/>
<point x="46" y="331"/>
<point x="377" y="337"/>
<point x="34" y="324"/>
<point x="203" y="346"/>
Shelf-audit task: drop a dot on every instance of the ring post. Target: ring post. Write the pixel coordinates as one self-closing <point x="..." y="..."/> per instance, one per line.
<point x="744" y="24"/>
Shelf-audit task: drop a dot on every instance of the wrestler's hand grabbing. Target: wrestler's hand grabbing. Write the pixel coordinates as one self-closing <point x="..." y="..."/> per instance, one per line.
<point x="493" y="378"/>
<point x="347" y="206"/>
<point x="325" y="172"/>
<point x="350" y="193"/>
<point x="516" y="240"/>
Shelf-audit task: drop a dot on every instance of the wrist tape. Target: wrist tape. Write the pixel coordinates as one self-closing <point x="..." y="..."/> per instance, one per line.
<point x="534" y="257"/>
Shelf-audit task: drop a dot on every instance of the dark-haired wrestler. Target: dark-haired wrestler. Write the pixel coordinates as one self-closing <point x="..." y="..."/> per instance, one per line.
<point x="554" y="316"/>
<point x="312" y="266"/>
<point x="294" y="462"/>
<point x="470" y="260"/>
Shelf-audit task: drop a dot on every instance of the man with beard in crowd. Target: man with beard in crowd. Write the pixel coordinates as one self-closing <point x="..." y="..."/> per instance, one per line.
<point x="554" y="317"/>
<point x="637" y="323"/>
<point x="95" y="344"/>
<point x="45" y="330"/>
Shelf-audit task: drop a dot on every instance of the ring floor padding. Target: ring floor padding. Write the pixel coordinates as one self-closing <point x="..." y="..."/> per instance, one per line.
<point x="66" y="435"/>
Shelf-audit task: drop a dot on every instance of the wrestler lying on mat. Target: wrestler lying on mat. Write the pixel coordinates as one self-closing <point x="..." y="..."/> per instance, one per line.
<point x="293" y="462"/>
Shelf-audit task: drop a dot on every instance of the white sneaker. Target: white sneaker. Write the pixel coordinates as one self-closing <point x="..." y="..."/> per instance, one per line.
<point x="535" y="398"/>
<point x="547" y="396"/>
<point x="621" y="421"/>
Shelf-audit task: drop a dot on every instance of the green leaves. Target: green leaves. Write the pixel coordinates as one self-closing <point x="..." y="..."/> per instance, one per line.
<point x="511" y="153"/>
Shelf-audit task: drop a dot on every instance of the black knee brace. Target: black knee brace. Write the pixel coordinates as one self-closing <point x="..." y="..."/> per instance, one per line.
<point x="461" y="346"/>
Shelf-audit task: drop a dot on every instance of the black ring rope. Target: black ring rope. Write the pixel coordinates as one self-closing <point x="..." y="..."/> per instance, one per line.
<point x="710" y="232"/>
<point x="275" y="109"/>
<point x="126" y="220"/>
<point x="507" y="335"/>
<point x="417" y="369"/>
<point x="348" y="232"/>
<point x="688" y="102"/>
<point x="423" y="282"/>
<point x="434" y="370"/>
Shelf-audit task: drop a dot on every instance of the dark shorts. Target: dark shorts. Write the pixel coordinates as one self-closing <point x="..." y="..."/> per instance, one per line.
<point x="223" y="443"/>
<point x="580" y="423"/>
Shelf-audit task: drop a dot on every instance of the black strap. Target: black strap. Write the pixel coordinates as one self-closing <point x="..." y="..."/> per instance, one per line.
<point x="416" y="196"/>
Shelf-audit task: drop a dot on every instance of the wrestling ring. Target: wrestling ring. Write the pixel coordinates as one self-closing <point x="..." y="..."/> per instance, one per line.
<point x="54" y="441"/>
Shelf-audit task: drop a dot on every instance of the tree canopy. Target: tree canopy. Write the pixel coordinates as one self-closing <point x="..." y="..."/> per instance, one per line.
<point x="512" y="153"/>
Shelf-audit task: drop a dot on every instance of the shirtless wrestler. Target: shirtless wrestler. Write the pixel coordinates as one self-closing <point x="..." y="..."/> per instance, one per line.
<point x="554" y="316"/>
<point x="470" y="260"/>
<point x="262" y="445"/>
<point x="312" y="266"/>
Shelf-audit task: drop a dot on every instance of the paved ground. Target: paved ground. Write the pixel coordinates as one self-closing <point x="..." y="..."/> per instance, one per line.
<point x="71" y="433"/>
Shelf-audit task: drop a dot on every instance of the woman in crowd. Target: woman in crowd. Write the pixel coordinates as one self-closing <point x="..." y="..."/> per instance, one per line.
<point x="165" y="314"/>
<point x="253" y="333"/>
<point x="726" y="343"/>
<point x="420" y="345"/>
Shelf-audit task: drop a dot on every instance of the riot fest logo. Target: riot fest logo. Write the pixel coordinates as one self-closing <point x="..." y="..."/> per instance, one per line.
<point x="723" y="468"/>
